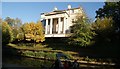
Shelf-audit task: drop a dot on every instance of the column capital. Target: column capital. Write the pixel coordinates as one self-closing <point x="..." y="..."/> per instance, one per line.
<point x="46" y="18"/>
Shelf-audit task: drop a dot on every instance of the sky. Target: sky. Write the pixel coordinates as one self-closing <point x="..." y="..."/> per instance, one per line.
<point x="57" y="0"/>
<point x="30" y="11"/>
<point x="0" y="9"/>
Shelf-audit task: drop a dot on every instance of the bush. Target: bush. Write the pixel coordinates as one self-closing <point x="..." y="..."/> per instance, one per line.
<point x="7" y="35"/>
<point x="40" y="54"/>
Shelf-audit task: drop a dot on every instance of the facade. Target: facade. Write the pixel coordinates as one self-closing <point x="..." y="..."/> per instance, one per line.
<point x="57" y="23"/>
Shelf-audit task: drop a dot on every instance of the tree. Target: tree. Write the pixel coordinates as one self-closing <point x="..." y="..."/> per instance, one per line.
<point x="32" y="31"/>
<point x="13" y="22"/>
<point x="18" y="22"/>
<point x="10" y="21"/>
<point x="39" y="32"/>
<point x="1" y="29"/>
<point x="110" y="9"/>
<point x="0" y="24"/>
<point x="82" y="33"/>
<point x="104" y="28"/>
<point x="0" y="20"/>
<point x="7" y="35"/>
<point x="15" y="25"/>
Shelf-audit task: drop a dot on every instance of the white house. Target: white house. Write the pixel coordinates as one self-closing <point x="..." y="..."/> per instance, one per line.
<point x="58" y="22"/>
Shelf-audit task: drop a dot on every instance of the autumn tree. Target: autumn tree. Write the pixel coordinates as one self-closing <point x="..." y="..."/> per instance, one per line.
<point x="32" y="31"/>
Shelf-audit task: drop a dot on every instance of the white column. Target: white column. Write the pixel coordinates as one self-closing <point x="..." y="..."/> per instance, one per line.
<point x="51" y="23"/>
<point x="59" y="19"/>
<point x="64" y="28"/>
<point x="46" y="27"/>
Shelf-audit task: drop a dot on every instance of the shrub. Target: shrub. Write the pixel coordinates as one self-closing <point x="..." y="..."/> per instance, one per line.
<point x="7" y="35"/>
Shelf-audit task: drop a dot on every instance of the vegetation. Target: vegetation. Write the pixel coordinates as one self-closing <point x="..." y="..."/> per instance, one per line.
<point x="7" y="35"/>
<point x="14" y="25"/>
<point x="32" y="31"/>
<point x="104" y="28"/>
<point x="39" y="51"/>
<point x="82" y="32"/>
<point x="97" y="39"/>
<point x="40" y="54"/>
<point x="15" y="31"/>
<point x="110" y="9"/>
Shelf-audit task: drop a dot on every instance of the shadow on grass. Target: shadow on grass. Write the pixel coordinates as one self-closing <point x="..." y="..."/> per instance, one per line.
<point x="99" y="51"/>
<point x="105" y="51"/>
<point x="108" y="49"/>
<point x="10" y="51"/>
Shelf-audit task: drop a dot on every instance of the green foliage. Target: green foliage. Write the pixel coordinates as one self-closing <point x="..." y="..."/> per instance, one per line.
<point x="0" y="24"/>
<point x="40" y="54"/>
<point x="15" y="25"/>
<point x="104" y="28"/>
<point x="82" y="33"/>
<point x="108" y="26"/>
<point x="0" y="20"/>
<point x="7" y="35"/>
<point x="10" y="21"/>
<point x="20" y="36"/>
<point x="13" y="22"/>
<point x="110" y="9"/>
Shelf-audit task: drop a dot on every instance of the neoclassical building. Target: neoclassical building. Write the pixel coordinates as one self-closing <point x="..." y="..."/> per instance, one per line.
<point x="57" y="23"/>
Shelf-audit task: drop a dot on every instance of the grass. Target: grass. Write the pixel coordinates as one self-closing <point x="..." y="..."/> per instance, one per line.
<point x="40" y="51"/>
<point x="40" y="47"/>
<point x="23" y="46"/>
<point x="40" y="54"/>
<point x="43" y="50"/>
<point x="49" y="50"/>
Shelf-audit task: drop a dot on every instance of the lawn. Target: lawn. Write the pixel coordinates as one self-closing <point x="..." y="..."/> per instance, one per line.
<point x="48" y="50"/>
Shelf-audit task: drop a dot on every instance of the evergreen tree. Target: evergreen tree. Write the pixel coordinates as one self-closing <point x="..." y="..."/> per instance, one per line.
<point x="82" y="33"/>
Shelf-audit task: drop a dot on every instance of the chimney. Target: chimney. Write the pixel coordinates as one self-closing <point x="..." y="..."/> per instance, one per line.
<point x="69" y="6"/>
<point x="55" y="8"/>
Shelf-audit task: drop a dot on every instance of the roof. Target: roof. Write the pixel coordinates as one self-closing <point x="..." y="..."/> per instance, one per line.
<point x="58" y="11"/>
<point x="74" y="8"/>
<point x="55" y="12"/>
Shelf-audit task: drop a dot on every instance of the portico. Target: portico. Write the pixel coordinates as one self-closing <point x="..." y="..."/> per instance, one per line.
<point x="57" y="23"/>
<point x="55" y="26"/>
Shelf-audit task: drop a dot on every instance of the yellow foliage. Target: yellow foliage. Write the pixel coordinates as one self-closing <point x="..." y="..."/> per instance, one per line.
<point x="34" y="31"/>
